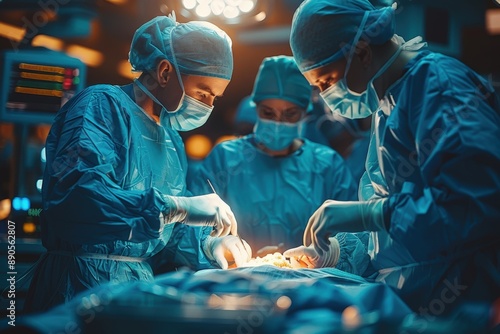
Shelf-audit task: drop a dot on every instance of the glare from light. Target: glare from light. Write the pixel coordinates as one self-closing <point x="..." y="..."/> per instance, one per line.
<point x="260" y="17"/>
<point x="11" y="32"/>
<point x="198" y="146"/>
<point x="89" y="56"/>
<point x="203" y="10"/>
<point x="5" y="207"/>
<point x="125" y="70"/>
<point x="52" y="43"/>
<point x="284" y="302"/>
<point x="117" y="2"/>
<point x="21" y="203"/>
<point x="189" y="4"/>
<point x="39" y="184"/>
<point x="231" y="12"/>
<point x="25" y="203"/>
<point x="217" y="7"/>
<point x="351" y="318"/>
<point x="493" y="21"/>
<point x="224" y="138"/>
<point x="43" y="155"/>
<point x="29" y="227"/>
<point x="16" y="203"/>
<point x="246" y="6"/>
<point x="234" y="3"/>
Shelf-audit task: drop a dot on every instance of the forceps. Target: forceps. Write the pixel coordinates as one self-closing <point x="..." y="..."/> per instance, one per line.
<point x="213" y="190"/>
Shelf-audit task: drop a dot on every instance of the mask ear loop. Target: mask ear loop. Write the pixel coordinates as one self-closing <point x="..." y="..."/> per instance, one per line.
<point x="176" y="67"/>
<point x="354" y="43"/>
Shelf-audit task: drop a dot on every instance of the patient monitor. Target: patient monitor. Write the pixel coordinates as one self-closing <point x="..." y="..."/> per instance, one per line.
<point x="36" y="83"/>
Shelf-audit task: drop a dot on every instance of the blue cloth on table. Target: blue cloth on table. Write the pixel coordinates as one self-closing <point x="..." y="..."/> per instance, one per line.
<point x="310" y="290"/>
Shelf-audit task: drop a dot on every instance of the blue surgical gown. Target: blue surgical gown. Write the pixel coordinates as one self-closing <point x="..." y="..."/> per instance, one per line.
<point x="108" y="167"/>
<point x="272" y="198"/>
<point x="435" y="154"/>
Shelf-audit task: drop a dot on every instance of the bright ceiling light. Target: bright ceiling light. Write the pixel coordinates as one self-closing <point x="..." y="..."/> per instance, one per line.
<point x="189" y="4"/>
<point x="217" y="7"/>
<point x="246" y="6"/>
<point x="231" y="12"/>
<point x="227" y="11"/>
<point x="234" y="3"/>
<point x="203" y="10"/>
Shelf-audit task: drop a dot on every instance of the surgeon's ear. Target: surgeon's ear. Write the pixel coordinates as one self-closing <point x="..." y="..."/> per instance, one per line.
<point x="164" y="70"/>
<point x="364" y="53"/>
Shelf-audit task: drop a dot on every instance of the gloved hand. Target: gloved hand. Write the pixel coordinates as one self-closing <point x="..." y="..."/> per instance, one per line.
<point x="205" y="210"/>
<point x="307" y="257"/>
<point x="228" y="248"/>
<point x="334" y="216"/>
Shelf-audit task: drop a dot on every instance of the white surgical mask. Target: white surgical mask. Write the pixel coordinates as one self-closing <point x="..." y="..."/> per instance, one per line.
<point x="189" y="114"/>
<point x="276" y="135"/>
<point x="341" y="100"/>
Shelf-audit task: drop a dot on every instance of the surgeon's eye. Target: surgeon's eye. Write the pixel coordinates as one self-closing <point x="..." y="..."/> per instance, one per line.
<point x="292" y="115"/>
<point x="325" y="83"/>
<point x="202" y="95"/>
<point x="266" y="113"/>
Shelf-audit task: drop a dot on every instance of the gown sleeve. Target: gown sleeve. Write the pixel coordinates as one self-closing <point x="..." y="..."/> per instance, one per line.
<point x="84" y="195"/>
<point x="454" y="118"/>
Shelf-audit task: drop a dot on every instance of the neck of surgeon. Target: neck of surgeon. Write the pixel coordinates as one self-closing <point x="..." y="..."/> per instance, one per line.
<point x="380" y="55"/>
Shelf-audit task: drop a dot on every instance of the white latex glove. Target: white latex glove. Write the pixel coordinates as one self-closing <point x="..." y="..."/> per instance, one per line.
<point x="334" y="216"/>
<point x="205" y="210"/>
<point x="228" y="248"/>
<point x="307" y="257"/>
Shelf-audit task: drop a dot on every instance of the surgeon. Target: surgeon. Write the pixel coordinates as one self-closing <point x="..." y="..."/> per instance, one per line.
<point x="273" y="179"/>
<point x="114" y="189"/>
<point x="431" y="188"/>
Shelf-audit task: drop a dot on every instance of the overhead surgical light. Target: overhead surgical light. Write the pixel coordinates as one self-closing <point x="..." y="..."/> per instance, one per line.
<point x="225" y="11"/>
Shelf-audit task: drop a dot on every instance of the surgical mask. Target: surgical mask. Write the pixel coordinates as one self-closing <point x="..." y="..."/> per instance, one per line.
<point x="276" y="135"/>
<point x="189" y="115"/>
<point x="341" y="100"/>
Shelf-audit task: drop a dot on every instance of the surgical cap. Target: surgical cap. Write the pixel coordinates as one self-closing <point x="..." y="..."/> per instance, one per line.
<point x="324" y="30"/>
<point x="280" y="78"/>
<point x="196" y="48"/>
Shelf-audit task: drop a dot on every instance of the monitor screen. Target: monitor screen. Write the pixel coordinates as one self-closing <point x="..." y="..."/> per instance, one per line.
<point x="36" y="83"/>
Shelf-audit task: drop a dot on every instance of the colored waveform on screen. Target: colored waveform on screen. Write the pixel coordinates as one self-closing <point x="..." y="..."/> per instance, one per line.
<point x="38" y="76"/>
<point x="38" y="91"/>
<point x="41" y="68"/>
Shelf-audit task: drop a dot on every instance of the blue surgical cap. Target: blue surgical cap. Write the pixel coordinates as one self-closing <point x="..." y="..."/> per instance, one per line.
<point x="196" y="48"/>
<point x="324" y="30"/>
<point x="280" y="78"/>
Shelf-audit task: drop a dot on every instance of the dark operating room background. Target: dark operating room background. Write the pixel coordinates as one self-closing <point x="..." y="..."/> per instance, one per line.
<point x="99" y="33"/>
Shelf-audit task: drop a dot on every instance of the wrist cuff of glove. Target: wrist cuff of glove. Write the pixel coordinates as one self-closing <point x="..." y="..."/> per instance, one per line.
<point x="330" y="258"/>
<point x="333" y="253"/>
<point x="208" y="247"/>
<point x="174" y="210"/>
